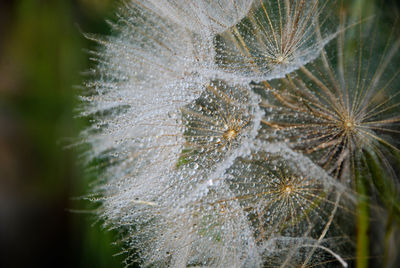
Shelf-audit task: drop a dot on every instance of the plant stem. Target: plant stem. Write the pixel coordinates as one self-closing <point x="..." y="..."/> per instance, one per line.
<point x="362" y="222"/>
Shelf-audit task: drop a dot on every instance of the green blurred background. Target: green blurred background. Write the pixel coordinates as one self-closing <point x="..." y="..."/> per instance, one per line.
<point x="42" y="57"/>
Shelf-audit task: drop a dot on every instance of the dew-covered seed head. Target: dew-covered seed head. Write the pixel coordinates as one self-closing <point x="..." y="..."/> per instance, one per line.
<point x="342" y="105"/>
<point x="218" y="123"/>
<point x="276" y="37"/>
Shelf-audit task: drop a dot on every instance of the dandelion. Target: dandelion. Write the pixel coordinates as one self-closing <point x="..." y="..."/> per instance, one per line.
<point x="142" y="78"/>
<point x="342" y="111"/>
<point x="214" y="238"/>
<point x="223" y="120"/>
<point x="276" y="37"/>
<point x="205" y="162"/>
<point x="336" y="115"/>
<point x="190" y="148"/>
<point x="241" y="222"/>
<point x="275" y="196"/>
<point x="284" y="203"/>
<point x="203" y="16"/>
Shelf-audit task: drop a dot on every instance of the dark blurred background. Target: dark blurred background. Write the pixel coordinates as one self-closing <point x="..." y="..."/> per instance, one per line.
<point x="42" y="57"/>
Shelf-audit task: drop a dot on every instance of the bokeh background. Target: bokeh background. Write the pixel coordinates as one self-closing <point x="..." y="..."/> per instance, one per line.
<point x="43" y="222"/>
<point x="42" y="58"/>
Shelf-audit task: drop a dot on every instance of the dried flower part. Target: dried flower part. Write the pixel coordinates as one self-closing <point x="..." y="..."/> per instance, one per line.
<point x="276" y="37"/>
<point x="163" y="161"/>
<point x="146" y="145"/>
<point x="336" y="114"/>
<point x="208" y="233"/>
<point x="213" y="224"/>
<point x="278" y="194"/>
<point x="202" y="16"/>
<point x="143" y="77"/>
<point x="274" y="195"/>
<point x="304" y="209"/>
<point x="198" y="170"/>
<point x="218" y="124"/>
<point x="184" y="225"/>
<point x="150" y="57"/>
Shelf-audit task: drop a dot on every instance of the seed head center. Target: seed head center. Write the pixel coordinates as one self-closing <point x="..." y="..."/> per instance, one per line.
<point x="349" y="125"/>
<point x="230" y="134"/>
<point x="281" y="59"/>
<point x="288" y="189"/>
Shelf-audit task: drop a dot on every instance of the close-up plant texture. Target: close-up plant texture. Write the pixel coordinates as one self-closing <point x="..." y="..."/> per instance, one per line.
<point x="247" y="133"/>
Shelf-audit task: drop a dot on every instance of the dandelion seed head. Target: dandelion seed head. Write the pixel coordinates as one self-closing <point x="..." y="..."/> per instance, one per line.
<point x="230" y="134"/>
<point x="218" y="123"/>
<point x="187" y="176"/>
<point x="279" y="59"/>
<point x="276" y="37"/>
<point x="336" y="114"/>
<point x="276" y="197"/>
<point x="203" y="16"/>
<point x="168" y="167"/>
